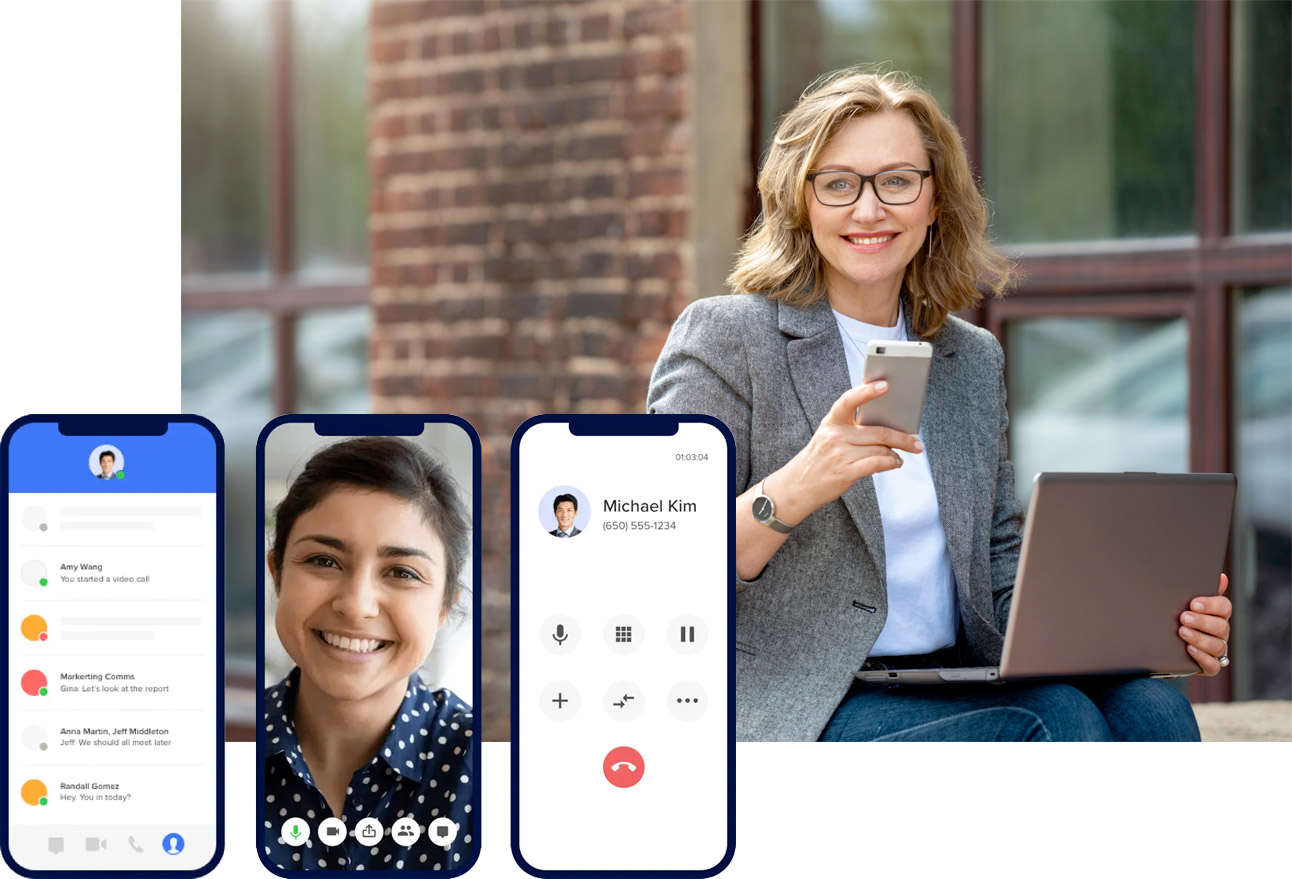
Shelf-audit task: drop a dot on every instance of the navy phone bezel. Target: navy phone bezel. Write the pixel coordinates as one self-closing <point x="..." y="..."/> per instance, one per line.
<point x="373" y="425"/>
<point x="128" y="425"/>
<point x="623" y="425"/>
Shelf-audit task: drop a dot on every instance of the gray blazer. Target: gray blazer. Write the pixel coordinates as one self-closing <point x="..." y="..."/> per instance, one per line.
<point x="771" y="372"/>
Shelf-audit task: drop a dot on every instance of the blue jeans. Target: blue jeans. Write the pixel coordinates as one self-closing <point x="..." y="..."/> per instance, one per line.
<point x="1088" y="710"/>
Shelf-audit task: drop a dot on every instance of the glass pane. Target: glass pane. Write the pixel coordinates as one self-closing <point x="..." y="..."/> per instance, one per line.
<point x="1262" y="116"/>
<point x="332" y="360"/>
<point x="224" y="126"/>
<point x="1262" y="548"/>
<point x="802" y="40"/>
<point x="227" y="365"/>
<point x="329" y="81"/>
<point x="1097" y="394"/>
<point x="1088" y="119"/>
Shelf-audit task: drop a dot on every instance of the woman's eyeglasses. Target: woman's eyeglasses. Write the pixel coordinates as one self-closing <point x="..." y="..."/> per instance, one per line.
<point x="840" y="188"/>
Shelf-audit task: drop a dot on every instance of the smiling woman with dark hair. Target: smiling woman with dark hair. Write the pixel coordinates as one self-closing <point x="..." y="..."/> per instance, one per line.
<point x="369" y="545"/>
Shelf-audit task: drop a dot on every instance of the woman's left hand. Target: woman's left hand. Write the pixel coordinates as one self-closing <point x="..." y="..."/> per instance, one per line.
<point x="1205" y="628"/>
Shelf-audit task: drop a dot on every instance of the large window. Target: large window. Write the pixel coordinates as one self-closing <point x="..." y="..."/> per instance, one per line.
<point x="801" y="39"/>
<point x="1138" y="158"/>
<point x="275" y="278"/>
<point x="1262" y="450"/>
<point x="1087" y="122"/>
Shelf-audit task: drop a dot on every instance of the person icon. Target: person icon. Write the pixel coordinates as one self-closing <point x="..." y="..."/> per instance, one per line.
<point x="107" y="465"/>
<point x="565" y="507"/>
<point x="107" y="462"/>
<point x="173" y="844"/>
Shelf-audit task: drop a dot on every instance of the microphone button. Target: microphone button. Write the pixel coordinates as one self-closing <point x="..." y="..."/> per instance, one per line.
<point x="560" y="634"/>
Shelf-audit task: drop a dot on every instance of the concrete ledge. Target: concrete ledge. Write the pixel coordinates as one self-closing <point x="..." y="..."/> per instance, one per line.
<point x="1245" y="721"/>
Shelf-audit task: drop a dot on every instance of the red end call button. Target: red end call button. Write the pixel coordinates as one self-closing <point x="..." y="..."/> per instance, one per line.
<point x="623" y="767"/>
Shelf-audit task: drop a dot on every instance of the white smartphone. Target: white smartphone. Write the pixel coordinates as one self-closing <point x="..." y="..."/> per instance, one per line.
<point x="114" y="656"/>
<point x="623" y="680"/>
<point x="905" y="366"/>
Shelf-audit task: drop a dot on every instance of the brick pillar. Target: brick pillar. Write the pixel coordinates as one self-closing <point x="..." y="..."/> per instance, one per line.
<point x="530" y="212"/>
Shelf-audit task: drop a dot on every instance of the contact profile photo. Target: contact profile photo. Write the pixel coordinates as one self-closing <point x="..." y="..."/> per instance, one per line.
<point x="564" y="512"/>
<point x="107" y="462"/>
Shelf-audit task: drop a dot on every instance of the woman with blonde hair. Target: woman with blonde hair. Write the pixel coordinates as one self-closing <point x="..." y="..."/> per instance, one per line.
<point x="875" y="548"/>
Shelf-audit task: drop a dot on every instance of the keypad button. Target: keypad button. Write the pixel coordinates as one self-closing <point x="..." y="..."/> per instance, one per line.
<point x="624" y="634"/>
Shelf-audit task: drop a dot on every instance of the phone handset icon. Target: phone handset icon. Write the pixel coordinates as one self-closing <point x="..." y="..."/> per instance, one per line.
<point x="623" y="767"/>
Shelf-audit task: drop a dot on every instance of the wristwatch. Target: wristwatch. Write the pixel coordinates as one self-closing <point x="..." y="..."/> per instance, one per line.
<point x="765" y="512"/>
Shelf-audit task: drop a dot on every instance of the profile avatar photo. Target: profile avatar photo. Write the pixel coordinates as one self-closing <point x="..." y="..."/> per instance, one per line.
<point x="565" y="504"/>
<point x="107" y="462"/>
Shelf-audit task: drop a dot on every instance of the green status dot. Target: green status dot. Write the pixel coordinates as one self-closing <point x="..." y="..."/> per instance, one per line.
<point x="44" y="582"/>
<point x="121" y="474"/>
<point x="44" y="691"/>
<point x="44" y="801"/>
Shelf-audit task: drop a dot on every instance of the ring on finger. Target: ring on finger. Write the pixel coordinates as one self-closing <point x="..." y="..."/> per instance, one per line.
<point x="1224" y="659"/>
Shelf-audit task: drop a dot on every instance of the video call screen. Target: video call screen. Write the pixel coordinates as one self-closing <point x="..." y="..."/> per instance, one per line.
<point x="368" y="746"/>
<point x="112" y="649"/>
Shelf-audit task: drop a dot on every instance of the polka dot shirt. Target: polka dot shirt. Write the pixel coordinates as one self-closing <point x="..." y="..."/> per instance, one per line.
<point x="424" y="769"/>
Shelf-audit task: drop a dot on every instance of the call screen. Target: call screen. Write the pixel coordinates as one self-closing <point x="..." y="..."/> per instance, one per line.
<point x="111" y="688"/>
<point x="623" y="593"/>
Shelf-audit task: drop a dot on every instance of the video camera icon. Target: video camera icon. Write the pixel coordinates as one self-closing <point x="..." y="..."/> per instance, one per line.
<point x="332" y="831"/>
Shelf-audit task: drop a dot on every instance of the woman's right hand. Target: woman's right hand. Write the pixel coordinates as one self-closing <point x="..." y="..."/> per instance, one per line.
<point x="839" y="453"/>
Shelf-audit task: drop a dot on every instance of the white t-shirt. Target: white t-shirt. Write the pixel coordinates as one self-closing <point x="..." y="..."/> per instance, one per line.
<point x="922" y="613"/>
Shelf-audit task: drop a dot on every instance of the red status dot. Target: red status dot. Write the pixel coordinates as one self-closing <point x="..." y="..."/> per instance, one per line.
<point x="44" y="636"/>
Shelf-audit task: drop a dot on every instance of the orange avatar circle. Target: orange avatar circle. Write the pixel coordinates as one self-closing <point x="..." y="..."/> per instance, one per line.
<point x="35" y="628"/>
<point x="34" y="793"/>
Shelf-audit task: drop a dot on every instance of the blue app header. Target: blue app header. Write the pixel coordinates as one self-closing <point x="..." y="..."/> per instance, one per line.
<point x="180" y="461"/>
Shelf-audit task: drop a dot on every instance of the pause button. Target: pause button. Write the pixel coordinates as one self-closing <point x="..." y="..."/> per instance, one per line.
<point x="688" y="634"/>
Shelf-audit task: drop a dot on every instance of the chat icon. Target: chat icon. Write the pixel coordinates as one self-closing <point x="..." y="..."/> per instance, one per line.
<point x="56" y="845"/>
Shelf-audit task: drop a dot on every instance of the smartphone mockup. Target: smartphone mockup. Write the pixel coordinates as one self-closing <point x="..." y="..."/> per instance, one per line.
<point x="905" y="366"/>
<point x="369" y="643"/>
<point x="623" y="686"/>
<point x="114" y="668"/>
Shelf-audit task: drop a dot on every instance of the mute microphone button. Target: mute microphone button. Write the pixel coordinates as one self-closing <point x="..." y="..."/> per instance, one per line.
<point x="559" y="634"/>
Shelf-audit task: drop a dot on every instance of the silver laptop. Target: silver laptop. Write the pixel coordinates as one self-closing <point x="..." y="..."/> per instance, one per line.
<point x="1108" y="564"/>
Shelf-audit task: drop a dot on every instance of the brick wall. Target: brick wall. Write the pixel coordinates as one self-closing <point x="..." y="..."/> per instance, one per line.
<point x="530" y="225"/>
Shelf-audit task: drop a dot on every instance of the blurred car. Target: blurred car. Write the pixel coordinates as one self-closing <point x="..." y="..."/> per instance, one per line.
<point x="1130" y="411"/>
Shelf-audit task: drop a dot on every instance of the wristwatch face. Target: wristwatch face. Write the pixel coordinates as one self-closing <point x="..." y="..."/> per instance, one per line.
<point x="762" y="508"/>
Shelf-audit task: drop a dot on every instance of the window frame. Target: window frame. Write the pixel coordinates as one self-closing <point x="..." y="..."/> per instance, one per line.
<point x="282" y="292"/>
